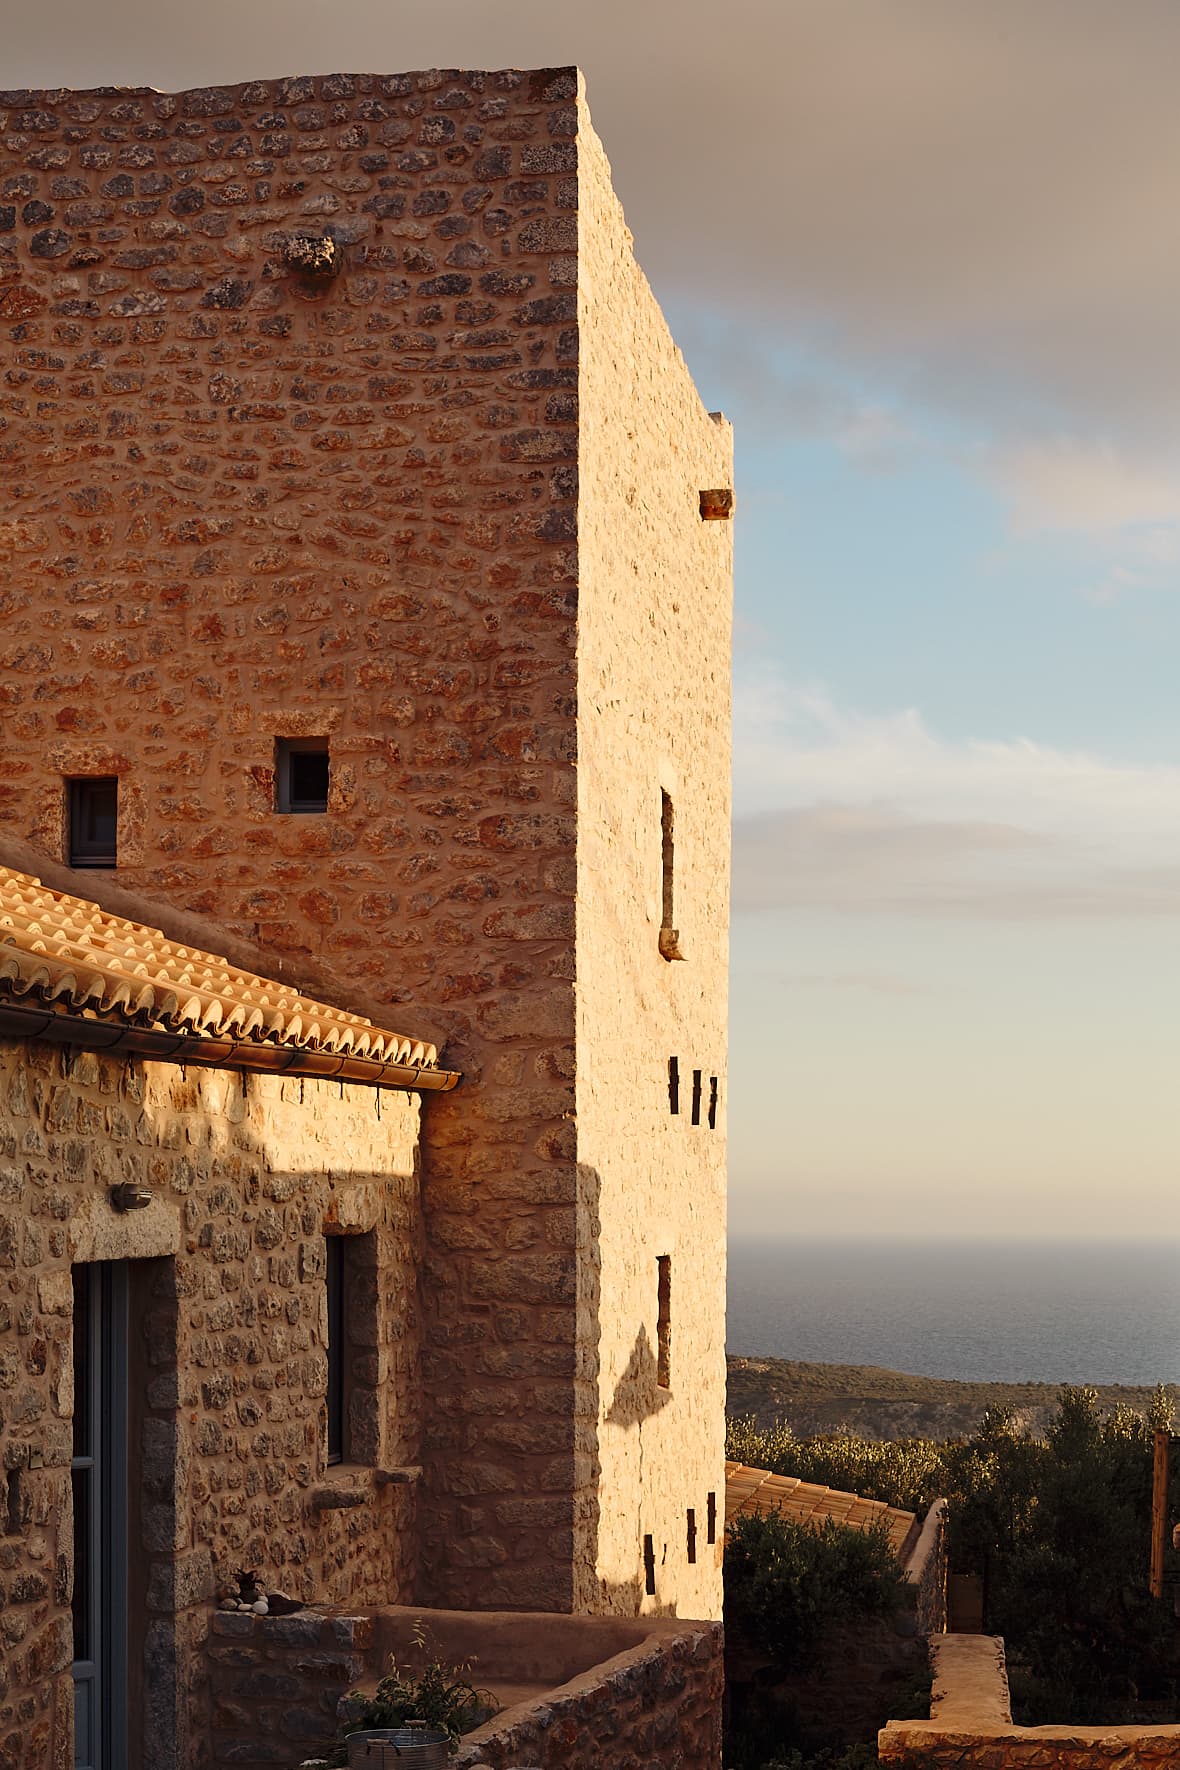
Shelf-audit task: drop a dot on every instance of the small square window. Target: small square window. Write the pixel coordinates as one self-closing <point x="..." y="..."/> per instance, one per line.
<point x="301" y="774"/>
<point x="94" y="821"/>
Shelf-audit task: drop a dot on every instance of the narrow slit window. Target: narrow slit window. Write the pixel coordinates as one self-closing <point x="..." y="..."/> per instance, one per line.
<point x="692" y="1536"/>
<point x="334" y="1283"/>
<point x="669" y="935"/>
<point x="649" y="1566"/>
<point x="674" y="1084"/>
<point x="712" y="1103"/>
<point x="302" y="775"/>
<point x="711" y="1518"/>
<point x="94" y="821"/>
<point x="664" y="1321"/>
<point x="696" y="1096"/>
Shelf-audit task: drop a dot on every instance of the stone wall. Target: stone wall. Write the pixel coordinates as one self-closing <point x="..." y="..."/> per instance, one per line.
<point x="603" y="1692"/>
<point x="227" y="1360"/>
<point x="275" y="1682"/>
<point x="659" y="1703"/>
<point x="242" y="505"/>
<point x="971" y="1723"/>
<point x="926" y="1572"/>
<point x="654" y="717"/>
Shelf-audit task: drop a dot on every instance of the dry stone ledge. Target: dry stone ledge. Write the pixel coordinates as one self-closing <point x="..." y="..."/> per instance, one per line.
<point x="971" y="1724"/>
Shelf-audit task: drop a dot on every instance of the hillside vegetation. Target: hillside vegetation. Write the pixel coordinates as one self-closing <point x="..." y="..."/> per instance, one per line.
<point x="876" y="1403"/>
<point x="1054" y="1520"/>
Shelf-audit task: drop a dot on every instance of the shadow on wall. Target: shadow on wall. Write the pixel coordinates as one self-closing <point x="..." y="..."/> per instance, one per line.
<point x="638" y="1396"/>
<point x="228" y="1369"/>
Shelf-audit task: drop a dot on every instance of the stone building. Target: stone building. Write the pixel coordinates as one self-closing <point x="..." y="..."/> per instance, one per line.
<point x="367" y="597"/>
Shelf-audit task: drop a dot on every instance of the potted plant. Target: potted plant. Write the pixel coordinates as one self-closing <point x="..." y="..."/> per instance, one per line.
<point x="420" y="1715"/>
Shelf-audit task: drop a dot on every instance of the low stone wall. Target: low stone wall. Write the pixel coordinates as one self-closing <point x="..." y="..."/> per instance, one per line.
<point x="625" y="1692"/>
<point x="926" y="1572"/>
<point x="971" y="1724"/>
<point x="656" y="1704"/>
<point x="276" y="1680"/>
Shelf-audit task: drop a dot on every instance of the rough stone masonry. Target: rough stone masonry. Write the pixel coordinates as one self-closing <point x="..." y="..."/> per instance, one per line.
<point x="429" y="489"/>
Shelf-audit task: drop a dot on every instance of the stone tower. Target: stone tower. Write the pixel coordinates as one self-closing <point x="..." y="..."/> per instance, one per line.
<point x="362" y="591"/>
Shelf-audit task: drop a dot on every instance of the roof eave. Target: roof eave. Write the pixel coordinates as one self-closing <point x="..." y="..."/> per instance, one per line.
<point x="217" y="1052"/>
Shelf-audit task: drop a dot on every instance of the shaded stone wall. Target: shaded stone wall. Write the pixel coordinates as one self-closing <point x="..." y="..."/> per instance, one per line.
<point x="654" y="718"/>
<point x="275" y="1682"/>
<point x="659" y="1703"/>
<point x="653" y="1697"/>
<point x="926" y="1572"/>
<point x="227" y="1361"/>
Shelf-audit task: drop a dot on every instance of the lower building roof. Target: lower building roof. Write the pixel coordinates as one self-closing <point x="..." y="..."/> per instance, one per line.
<point x="758" y="1490"/>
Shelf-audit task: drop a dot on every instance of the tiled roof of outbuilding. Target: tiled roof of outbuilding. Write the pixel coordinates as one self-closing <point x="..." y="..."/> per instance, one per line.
<point x="85" y="968"/>
<point x="757" y="1490"/>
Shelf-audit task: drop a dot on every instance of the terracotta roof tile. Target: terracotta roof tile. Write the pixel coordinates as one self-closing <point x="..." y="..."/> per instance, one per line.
<point x="757" y="1490"/>
<point x="68" y="956"/>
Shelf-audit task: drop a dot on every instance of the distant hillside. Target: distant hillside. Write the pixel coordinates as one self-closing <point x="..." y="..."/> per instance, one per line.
<point x="876" y="1403"/>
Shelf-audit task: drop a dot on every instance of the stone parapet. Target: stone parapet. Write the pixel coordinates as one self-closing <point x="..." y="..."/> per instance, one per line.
<point x="925" y="1571"/>
<point x="655" y="1699"/>
<point x="971" y="1724"/>
<point x="658" y="1703"/>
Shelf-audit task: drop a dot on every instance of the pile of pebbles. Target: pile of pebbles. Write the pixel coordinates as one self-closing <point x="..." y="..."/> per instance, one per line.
<point x="252" y="1596"/>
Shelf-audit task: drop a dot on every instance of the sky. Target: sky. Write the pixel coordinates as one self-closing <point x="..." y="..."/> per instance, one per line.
<point x="926" y="255"/>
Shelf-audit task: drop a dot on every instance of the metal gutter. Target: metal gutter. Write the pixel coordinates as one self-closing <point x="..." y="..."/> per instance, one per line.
<point x="258" y="1056"/>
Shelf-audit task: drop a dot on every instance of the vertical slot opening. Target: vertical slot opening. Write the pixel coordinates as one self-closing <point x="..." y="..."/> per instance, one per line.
<point x="712" y="1103"/>
<point x="696" y="1096"/>
<point x="13" y="1502"/>
<point x="664" y="1322"/>
<point x="669" y="937"/>
<point x="649" y="1566"/>
<point x="334" y="1283"/>
<point x="674" y="1084"/>
<point x="711" y="1518"/>
<point x="692" y="1536"/>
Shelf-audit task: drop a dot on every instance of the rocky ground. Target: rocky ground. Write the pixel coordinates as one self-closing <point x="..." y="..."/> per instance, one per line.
<point x="877" y="1403"/>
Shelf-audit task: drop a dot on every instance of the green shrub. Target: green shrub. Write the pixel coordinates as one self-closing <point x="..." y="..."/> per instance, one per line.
<point x="786" y="1583"/>
<point x="1058" y="1527"/>
<point x="908" y="1472"/>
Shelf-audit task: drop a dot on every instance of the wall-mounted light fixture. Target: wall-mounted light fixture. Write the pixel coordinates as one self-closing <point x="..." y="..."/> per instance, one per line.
<point x="127" y="1195"/>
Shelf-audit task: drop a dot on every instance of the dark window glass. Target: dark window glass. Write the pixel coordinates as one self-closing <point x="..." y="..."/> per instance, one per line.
<point x="94" y="820"/>
<point x="82" y="1474"/>
<point x="301" y="774"/>
<point x="334" y="1280"/>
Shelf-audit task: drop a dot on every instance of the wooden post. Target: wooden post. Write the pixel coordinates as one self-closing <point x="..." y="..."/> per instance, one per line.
<point x="1159" y="1511"/>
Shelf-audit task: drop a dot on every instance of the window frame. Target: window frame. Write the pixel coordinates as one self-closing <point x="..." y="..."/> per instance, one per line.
<point x="287" y="804"/>
<point x="336" y="1397"/>
<point x="84" y="850"/>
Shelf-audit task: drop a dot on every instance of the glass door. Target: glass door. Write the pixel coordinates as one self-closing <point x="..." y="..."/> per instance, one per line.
<point x="99" y="1473"/>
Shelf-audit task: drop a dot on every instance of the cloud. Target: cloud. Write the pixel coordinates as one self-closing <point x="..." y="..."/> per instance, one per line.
<point x="981" y="198"/>
<point x="849" y="811"/>
<point x="874" y="983"/>
<point x="1075" y="485"/>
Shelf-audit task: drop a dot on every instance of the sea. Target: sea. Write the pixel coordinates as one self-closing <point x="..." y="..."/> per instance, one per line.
<point x="1001" y="1311"/>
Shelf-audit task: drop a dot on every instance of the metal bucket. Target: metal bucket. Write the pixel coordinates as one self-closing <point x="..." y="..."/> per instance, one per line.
<point x="398" y="1748"/>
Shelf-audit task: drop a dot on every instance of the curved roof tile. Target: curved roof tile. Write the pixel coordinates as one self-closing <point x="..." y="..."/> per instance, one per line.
<point x="70" y="956"/>
<point x="758" y="1490"/>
